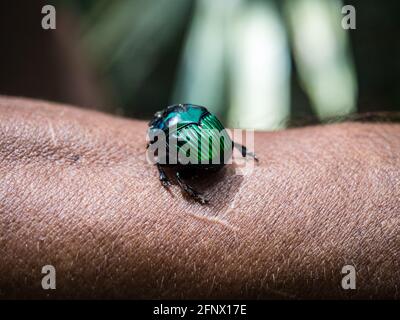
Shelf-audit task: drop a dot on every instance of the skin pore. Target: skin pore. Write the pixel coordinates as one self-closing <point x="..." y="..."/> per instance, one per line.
<point x="76" y="192"/>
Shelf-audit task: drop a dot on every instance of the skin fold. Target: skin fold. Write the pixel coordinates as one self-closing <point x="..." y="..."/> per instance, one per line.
<point x="77" y="192"/>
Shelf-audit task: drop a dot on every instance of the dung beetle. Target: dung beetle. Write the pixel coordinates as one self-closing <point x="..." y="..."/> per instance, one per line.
<point x="186" y="124"/>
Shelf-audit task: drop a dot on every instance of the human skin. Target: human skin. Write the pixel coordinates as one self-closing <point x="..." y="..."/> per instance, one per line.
<point x="76" y="192"/>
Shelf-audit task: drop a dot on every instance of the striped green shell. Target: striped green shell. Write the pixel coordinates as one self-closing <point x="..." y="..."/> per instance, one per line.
<point x="209" y="138"/>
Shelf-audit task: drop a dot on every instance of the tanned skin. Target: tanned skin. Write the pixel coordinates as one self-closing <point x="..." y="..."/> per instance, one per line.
<point x="76" y="192"/>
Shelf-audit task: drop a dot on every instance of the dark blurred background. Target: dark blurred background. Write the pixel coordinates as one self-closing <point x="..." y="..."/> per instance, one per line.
<point x="256" y="63"/>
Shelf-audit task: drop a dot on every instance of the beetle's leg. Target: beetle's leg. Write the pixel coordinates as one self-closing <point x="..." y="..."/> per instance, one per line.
<point x="189" y="190"/>
<point x="162" y="176"/>
<point x="243" y="150"/>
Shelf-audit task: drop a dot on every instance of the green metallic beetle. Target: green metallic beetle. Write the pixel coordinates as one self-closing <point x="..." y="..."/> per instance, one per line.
<point x="187" y="124"/>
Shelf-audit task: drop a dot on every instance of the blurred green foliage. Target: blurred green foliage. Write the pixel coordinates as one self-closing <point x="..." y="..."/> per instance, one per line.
<point x="237" y="57"/>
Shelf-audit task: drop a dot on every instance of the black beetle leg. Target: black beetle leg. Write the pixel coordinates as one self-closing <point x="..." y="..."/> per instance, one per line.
<point x="243" y="150"/>
<point x="162" y="176"/>
<point x="189" y="190"/>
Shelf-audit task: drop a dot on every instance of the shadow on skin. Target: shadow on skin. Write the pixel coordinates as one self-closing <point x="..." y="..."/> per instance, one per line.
<point x="225" y="181"/>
